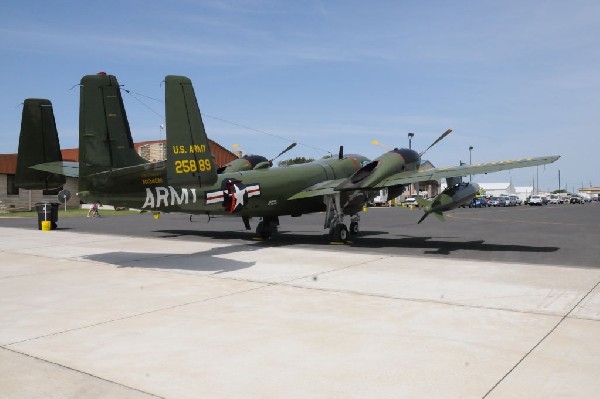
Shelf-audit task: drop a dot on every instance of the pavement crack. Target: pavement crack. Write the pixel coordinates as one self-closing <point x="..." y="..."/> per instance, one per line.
<point x="138" y="315"/>
<point x="563" y="318"/>
<point x="81" y="372"/>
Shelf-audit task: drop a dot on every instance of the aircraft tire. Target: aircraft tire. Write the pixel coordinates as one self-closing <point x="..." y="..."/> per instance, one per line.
<point x="354" y="228"/>
<point x="262" y="232"/>
<point x="340" y="233"/>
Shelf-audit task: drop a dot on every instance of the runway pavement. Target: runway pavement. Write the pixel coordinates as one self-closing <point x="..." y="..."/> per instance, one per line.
<point x="554" y="234"/>
<point x="494" y="303"/>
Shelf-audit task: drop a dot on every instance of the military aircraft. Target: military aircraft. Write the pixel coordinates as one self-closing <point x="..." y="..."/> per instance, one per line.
<point x="111" y="172"/>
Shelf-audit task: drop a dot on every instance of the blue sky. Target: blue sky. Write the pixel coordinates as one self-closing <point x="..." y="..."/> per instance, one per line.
<point x="512" y="78"/>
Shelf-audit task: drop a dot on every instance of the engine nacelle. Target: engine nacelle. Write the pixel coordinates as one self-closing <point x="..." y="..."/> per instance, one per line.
<point x="247" y="162"/>
<point x="450" y="198"/>
<point x="390" y="163"/>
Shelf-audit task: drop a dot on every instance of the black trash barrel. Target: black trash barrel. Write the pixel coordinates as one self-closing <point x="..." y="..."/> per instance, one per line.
<point x="47" y="211"/>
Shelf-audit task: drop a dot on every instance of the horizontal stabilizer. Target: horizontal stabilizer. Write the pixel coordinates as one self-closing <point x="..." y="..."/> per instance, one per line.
<point x="70" y="169"/>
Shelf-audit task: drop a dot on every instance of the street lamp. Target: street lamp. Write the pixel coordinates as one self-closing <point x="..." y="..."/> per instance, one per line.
<point x="410" y="136"/>
<point x="470" y="161"/>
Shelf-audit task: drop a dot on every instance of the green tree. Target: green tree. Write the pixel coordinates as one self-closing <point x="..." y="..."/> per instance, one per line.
<point x="295" y="161"/>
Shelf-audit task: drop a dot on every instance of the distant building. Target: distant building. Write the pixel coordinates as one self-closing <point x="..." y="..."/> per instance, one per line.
<point x="496" y="189"/>
<point x="13" y="198"/>
<point x="591" y="191"/>
<point x="524" y="191"/>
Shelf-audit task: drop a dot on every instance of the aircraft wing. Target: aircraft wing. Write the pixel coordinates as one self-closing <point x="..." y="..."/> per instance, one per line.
<point x="70" y="169"/>
<point x="322" y="188"/>
<point x="456" y="171"/>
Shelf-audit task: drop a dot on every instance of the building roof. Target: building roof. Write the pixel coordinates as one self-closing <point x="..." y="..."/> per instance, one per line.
<point x="8" y="163"/>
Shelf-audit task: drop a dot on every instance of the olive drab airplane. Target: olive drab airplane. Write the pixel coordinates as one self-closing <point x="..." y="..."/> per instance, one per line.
<point x="111" y="172"/>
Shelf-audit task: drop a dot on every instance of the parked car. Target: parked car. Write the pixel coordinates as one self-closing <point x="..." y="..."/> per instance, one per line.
<point x="527" y="200"/>
<point x="514" y="200"/>
<point x="576" y="199"/>
<point x="545" y="200"/>
<point x="478" y="203"/>
<point x="504" y="200"/>
<point x="554" y="199"/>
<point x="494" y="201"/>
<point x="411" y="201"/>
<point x="536" y="200"/>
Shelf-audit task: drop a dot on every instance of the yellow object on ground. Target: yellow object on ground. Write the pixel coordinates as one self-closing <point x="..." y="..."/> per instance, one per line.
<point x="46" y="225"/>
<point x="157" y="216"/>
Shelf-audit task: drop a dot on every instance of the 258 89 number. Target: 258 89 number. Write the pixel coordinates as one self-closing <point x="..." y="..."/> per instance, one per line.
<point x="191" y="165"/>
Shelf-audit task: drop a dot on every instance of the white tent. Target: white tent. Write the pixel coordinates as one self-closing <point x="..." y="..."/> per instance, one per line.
<point x="496" y="189"/>
<point x="524" y="191"/>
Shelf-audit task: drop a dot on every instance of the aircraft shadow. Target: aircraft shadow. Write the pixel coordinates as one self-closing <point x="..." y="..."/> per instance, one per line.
<point x="429" y="244"/>
<point x="205" y="261"/>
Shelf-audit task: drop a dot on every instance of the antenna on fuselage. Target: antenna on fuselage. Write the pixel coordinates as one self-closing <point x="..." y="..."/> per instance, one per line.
<point x="341" y="153"/>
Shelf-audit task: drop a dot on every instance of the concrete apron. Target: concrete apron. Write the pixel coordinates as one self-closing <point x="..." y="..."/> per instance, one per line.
<point x="85" y="315"/>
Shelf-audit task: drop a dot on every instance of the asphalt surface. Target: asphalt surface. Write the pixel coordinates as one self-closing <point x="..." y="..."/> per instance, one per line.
<point x="553" y="234"/>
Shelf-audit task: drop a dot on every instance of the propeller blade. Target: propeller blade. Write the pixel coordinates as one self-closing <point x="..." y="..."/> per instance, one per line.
<point x="284" y="151"/>
<point x="447" y="132"/>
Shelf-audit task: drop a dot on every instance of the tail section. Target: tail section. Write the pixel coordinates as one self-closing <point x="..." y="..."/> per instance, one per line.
<point x="105" y="141"/>
<point x="38" y="144"/>
<point x="189" y="158"/>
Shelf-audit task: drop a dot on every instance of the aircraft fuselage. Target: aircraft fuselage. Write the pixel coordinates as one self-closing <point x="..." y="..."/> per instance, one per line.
<point x="253" y="193"/>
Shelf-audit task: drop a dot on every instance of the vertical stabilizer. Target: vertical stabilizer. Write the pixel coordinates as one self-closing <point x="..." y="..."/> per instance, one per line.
<point x="189" y="158"/>
<point x="105" y="141"/>
<point x="38" y="143"/>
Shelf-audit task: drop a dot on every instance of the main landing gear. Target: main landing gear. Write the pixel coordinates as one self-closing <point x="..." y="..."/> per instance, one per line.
<point x="334" y="220"/>
<point x="266" y="227"/>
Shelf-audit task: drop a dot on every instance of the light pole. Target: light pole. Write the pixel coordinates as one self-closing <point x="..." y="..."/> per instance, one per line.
<point x="410" y="136"/>
<point x="470" y="161"/>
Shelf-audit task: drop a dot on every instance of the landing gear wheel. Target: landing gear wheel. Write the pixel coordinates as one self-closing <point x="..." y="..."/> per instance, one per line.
<point x="354" y="228"/>
<point x="340" y="233"/>
<point x="263" y="231"/>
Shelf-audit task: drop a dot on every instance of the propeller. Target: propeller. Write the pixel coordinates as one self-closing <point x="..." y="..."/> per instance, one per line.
<point x="447" y="132"/>
<point x="284" y="151"/>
